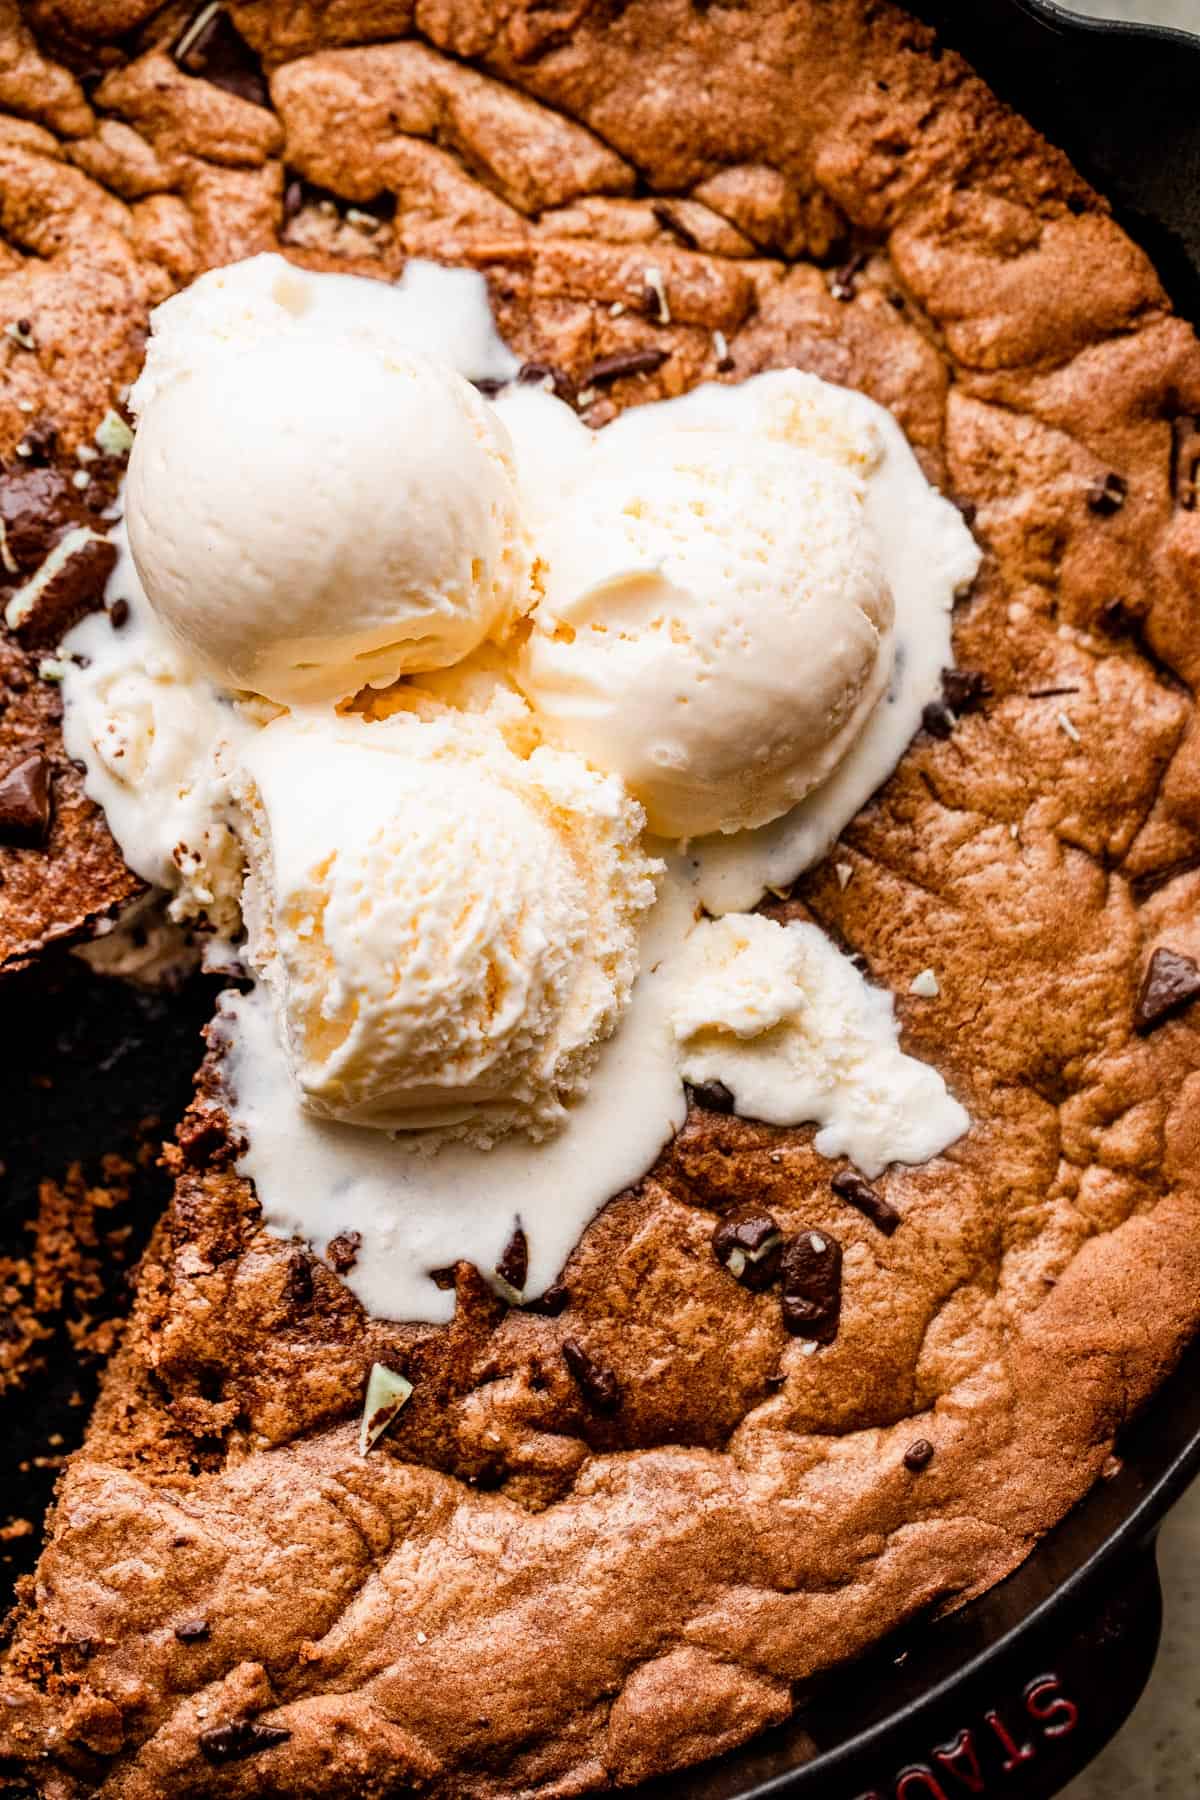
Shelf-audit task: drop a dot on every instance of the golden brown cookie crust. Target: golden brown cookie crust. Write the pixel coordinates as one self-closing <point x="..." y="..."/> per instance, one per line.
<point x="519" y="1588"/>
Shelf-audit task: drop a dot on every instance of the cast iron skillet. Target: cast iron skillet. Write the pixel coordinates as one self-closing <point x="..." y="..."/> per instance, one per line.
<point x="1015" y="1693"/>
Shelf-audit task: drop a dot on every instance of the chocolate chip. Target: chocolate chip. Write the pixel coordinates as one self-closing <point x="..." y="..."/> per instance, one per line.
<point x="541" y="372"/>
<point x="843" y="286"/>
<point x="554" y="1301"/>
<point x="230" y="1743"/>
<point x="341" y="1252"/>
<point x="598" y="1385"/>
<point x="847" y="1184"/>
<point x="749" y="1244"/>
<point x="211" y="47"/>
<point x="38" y="443"/>
<point x="713" y="1096"/>
<point x="192" y="1631"/>
<point x="918" y="1456"/>
<point x="937" y="719"/>
<point x="965" y="690"/>
<point x="25" y="802"/>
<point x="1185" y="461"/>
<point x="513" y="1266"/>
<point x="1171" y="982"/>
<point x="625" y="362"/>
<point x="669" y="219"/>
<point x="1108" y="496"/>
<point x="118" y="614"/>
<point x="811" y="1295"/>
<point x="298" y="1288"/>
<point x="444" y="1279"/>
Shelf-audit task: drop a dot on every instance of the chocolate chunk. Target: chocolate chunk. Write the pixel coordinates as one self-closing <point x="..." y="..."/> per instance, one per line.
<point x="554" y="1301"/>
<point x="749" y="1244"/>
<point x="1171" y="982"/>
<point x="919" y="1455"/>
<point x="25" y="802"/>
<point x="211" y="47"/>
<point x="847" y="1184"/>
<point x="812" y="1286"/>
<point x="341" y="1252"/>
<point x="37" y="506"/>
<point x="444" y="1279"/>
<point x="625" y="362"/>
<point x="118" y="614"/>
<point x="70" y="583"/>
<point x="713" y="1096"/>
<point x="540" y="372"/>
<point x="1108" y="496"/>
<point x="598" y="1385"/>
<point x="937" y="719"/>
<point x="513" y="1266"/>
<point x="192" y="1631"/>
<point x="965" y="690"/>
<point x="230" y="1743"/>
<point x="843" y="286"/>
<point x="1185" y="461"/>
<point x="669" y="219"/>
<point x="298" y="1287"/>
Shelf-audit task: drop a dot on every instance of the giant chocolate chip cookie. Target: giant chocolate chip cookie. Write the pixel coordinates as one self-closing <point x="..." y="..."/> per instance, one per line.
<point x="609" y="1535"/>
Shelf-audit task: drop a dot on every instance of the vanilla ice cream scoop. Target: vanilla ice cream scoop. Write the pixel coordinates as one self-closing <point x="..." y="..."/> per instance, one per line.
<point x="716" y="624"/>
<point x="448" y="930"/>
<point x="312" y="506"/>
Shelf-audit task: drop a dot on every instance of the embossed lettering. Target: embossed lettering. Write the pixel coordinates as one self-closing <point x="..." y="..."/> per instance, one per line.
<point x="961" y="1761"/>
<point x="918" y="1778"/>
<point x="1016" y="1754"/>
<point x="1045" y="1701"/>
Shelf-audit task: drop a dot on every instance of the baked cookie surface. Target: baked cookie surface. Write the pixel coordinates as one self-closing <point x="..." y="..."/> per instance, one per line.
<point x="605" y="1541"/>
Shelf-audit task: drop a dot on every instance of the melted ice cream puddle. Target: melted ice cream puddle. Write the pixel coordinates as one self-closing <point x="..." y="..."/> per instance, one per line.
<point x="418" y="1210"/>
